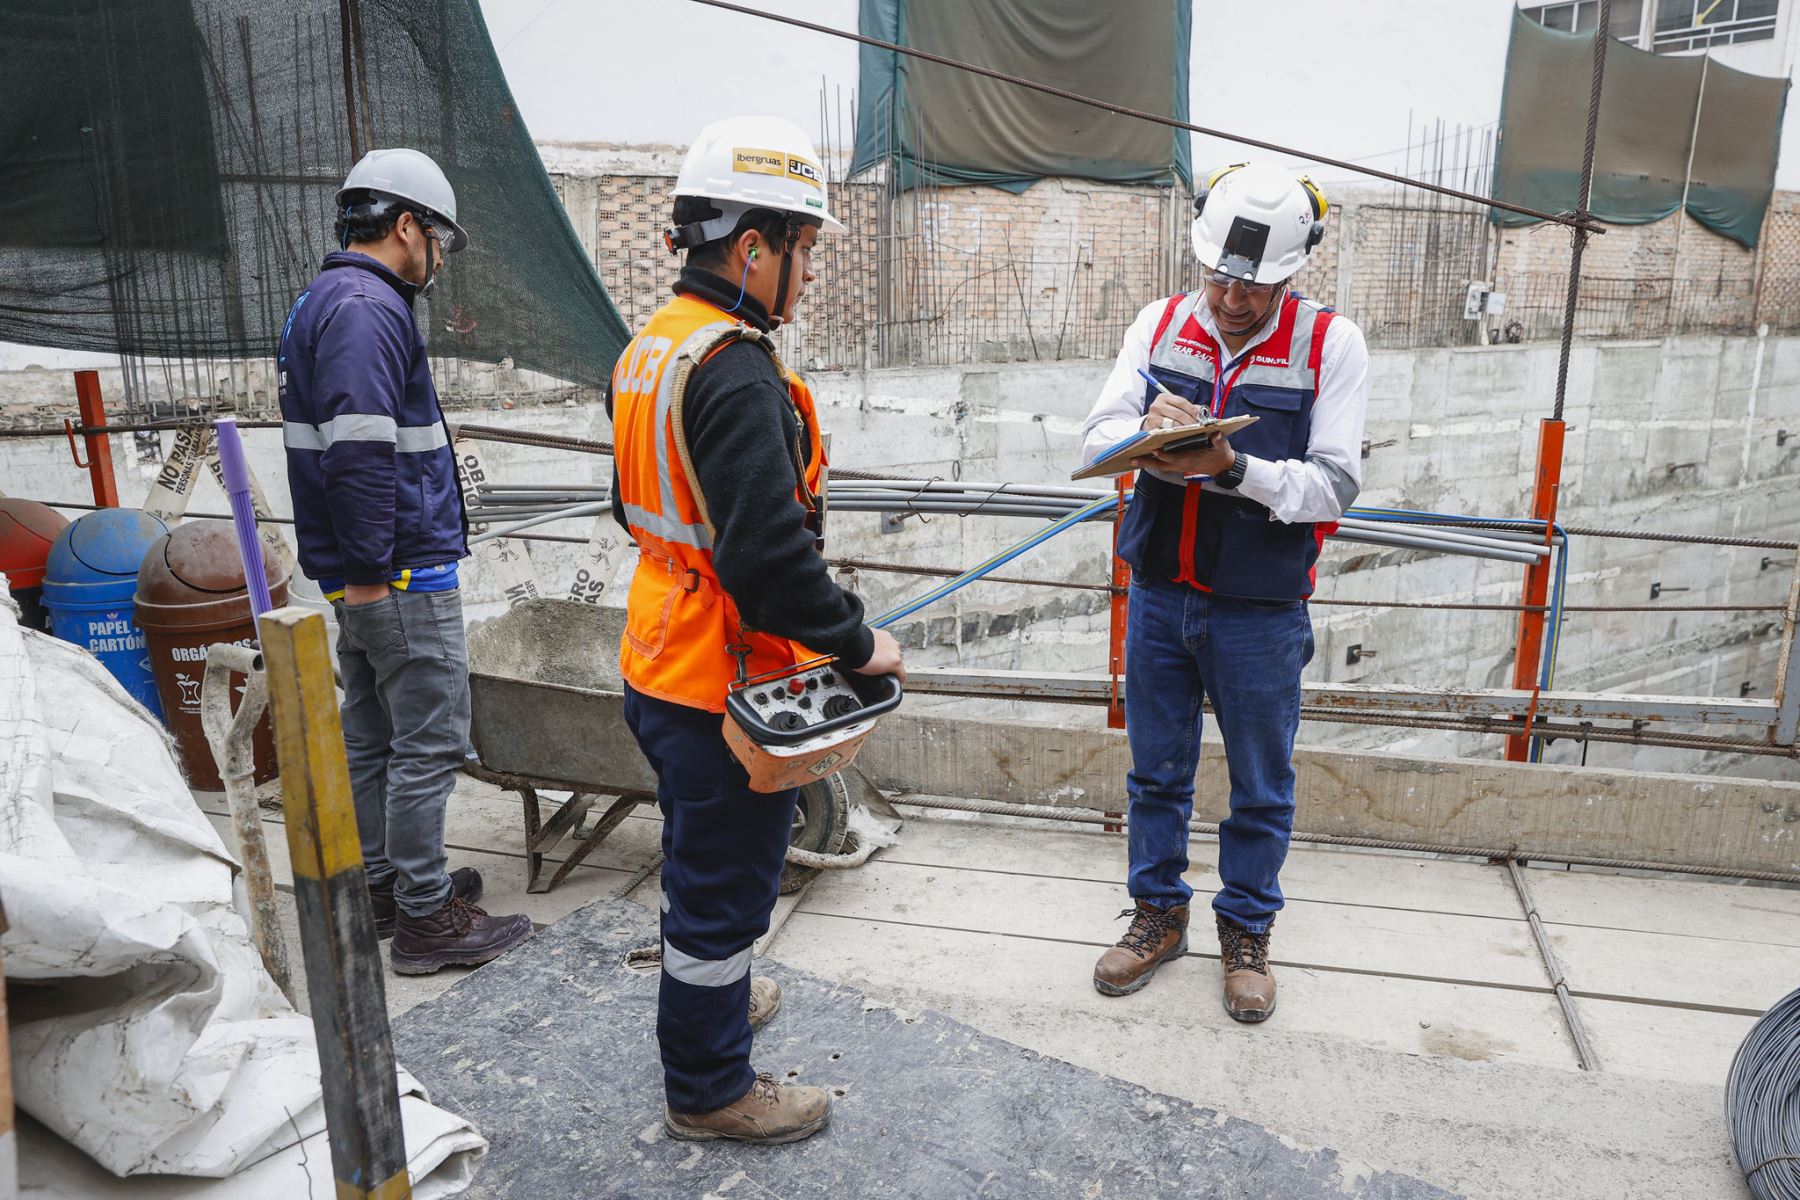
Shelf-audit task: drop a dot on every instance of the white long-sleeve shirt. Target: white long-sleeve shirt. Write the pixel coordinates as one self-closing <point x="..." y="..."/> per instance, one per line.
<point x="1317" y="488"/>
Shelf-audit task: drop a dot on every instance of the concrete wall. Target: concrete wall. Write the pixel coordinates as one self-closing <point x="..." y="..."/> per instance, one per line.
<point x="1450" y="429"/>
<point x="1539" y="810"/>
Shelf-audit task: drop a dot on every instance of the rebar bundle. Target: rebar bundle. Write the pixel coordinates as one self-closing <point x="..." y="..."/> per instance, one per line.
<point x="514" y="507"/>
<point x="1762" y="1103"/>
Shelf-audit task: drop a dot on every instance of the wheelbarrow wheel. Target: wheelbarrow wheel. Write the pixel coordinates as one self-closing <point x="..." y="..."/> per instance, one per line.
<point x="821" y="825"/>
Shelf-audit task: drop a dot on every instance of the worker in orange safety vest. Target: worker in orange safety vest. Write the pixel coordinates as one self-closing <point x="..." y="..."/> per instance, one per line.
<point x="718" y="463"/>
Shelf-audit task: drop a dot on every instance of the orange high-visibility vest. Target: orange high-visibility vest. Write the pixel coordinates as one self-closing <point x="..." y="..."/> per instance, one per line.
<point x="680" y="623"/>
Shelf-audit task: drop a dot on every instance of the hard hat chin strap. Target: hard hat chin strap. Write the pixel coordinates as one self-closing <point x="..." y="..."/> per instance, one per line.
<point x="778" y="311"/>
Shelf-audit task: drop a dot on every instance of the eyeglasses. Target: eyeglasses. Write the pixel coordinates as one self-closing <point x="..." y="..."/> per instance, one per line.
<point x="1225" y="282"/>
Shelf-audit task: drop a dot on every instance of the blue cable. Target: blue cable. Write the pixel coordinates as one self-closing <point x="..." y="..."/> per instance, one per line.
<point x="1547" y="671"/>
<point x="1087" y="512"/>
<point x="742" y="284"/>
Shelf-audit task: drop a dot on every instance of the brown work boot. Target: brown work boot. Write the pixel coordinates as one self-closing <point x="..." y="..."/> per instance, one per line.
<point x="769" y="1113"/>
<point x="765" y="1000"/>
<point x="465" y="885"/>
<point x="458" y="933"/>
<point x="1249" y="981"/>
<point x="1156" y="935"/>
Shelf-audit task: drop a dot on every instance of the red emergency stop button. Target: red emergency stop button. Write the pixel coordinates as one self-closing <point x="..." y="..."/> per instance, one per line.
<point x="796" y="685"/>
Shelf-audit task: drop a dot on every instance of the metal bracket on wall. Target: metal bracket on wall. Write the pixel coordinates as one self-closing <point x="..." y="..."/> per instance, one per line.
<point x="1381" y="445"/>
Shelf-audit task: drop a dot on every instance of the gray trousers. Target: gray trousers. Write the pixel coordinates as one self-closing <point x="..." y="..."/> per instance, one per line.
<point x="405" y="663"/>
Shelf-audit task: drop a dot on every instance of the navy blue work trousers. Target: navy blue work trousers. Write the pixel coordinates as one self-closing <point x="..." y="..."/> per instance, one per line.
<point x="723" y="849"/>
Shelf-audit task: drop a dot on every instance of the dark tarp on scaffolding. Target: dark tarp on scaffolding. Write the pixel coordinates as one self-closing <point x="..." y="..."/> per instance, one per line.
<point x="937" y="124"/>
<point x="1646" y="132"/>
<point x="170" y="171"/>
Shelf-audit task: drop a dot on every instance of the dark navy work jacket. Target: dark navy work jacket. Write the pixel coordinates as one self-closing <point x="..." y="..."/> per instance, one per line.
<point x="370" y="467"/>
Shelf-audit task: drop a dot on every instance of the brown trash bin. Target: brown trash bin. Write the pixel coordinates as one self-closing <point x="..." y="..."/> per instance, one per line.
<point x="191" y="595"/>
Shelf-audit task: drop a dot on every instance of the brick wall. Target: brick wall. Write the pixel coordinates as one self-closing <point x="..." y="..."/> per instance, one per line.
<point x="960" y="275"/>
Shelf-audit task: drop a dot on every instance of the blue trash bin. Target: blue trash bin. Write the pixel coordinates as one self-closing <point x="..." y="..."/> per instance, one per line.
<point x="89" y="582"/>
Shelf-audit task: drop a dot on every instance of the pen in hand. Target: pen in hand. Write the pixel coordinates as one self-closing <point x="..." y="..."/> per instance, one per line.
<point x="1173" y="410"/>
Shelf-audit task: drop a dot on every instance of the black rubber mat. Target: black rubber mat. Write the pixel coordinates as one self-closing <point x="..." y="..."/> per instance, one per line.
<point x="552" y="1053"/>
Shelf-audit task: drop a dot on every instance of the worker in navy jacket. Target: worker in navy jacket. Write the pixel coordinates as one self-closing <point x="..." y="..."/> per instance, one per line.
<point x="380" y="525"/>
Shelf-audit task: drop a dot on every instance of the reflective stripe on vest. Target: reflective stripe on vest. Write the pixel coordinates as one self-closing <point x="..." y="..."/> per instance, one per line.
<point x="1219" y="541"/>
<point x="679" y="620"/>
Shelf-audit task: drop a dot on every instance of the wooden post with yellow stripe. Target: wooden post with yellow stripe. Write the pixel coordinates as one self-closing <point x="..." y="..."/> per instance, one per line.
<point x="337" y="925"/>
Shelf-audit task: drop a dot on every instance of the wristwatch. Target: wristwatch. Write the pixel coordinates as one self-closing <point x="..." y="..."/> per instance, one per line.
<point x="1233" y="475"/>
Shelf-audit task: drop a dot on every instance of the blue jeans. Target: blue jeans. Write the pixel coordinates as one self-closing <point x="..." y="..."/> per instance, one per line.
<point x="1245" y="657"/>
<point x="405" y="663"/>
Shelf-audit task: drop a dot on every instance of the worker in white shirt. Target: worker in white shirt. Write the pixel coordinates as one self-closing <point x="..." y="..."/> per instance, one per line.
<point x="1222" y="540"/>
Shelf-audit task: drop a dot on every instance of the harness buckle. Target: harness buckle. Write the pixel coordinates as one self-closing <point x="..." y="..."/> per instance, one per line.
<point x="693" y="581"/>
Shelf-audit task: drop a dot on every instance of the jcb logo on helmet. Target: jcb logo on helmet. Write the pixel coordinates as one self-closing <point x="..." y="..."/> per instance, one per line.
<point x="800" y="168"/>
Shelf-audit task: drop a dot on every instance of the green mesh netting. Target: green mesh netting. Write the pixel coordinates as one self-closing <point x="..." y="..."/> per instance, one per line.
<point x="1654" y="110"/>
<point x="936" y="124"/>
<point x="169" y="169"/>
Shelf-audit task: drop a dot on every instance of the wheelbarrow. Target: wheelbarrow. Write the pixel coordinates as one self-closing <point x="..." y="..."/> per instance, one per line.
<point x="548" y="716"/>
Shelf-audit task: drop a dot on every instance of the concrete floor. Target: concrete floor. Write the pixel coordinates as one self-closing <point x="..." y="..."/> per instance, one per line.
<point x="1417" y="1029"/>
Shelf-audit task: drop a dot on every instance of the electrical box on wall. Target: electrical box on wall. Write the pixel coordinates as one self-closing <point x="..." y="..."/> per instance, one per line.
<point x="1476" y="301"/>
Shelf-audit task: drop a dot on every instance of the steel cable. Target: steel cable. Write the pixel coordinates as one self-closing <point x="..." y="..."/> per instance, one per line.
<point x="1579" y="220"/>
<point x="1083" y="816"/>
<point x="1762" y="1103"/>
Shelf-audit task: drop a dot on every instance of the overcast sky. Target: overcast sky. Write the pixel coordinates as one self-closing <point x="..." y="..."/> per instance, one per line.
<point x="640" y="71"/>
<point x="1337" y="78"/>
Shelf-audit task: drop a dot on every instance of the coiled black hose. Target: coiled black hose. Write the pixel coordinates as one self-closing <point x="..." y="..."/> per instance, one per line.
<point x="1762" y="1103"/>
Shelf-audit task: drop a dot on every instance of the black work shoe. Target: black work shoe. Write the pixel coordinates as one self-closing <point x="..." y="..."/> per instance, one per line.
<point x="458" y="934"/>
<point x="465" y="885"/>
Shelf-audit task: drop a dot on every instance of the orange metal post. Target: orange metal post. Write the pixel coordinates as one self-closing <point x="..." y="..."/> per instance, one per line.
<point x="1121" y="579"/>
<point x="1530" y="651"/>
<point x="99" y="445"/>
<point x="1115" y="662"/>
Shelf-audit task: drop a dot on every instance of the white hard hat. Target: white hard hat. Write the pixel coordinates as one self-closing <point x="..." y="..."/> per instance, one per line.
<point x="409" y="176"/>
<point x="1257" y="222"/>
<point x="742" y="163"/>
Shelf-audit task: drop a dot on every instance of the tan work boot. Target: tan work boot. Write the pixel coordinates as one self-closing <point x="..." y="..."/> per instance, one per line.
<point x="1156" y="935"/>
<point x="1249" y="980"/>
<point x="769" y="1114"/>
<point x="765" y="1000"/>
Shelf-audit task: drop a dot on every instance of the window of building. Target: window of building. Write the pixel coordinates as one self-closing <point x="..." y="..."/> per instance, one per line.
<point x="1698" y="24"/>
<point x="1579" y="16"/>
<point x="1676" y="25"/>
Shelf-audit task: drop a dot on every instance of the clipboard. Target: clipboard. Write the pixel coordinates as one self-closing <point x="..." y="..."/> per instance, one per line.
<point x="1116" y="458"/>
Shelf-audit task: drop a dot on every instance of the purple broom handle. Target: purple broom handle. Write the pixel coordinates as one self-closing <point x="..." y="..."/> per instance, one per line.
<point x="243" y="513"/>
